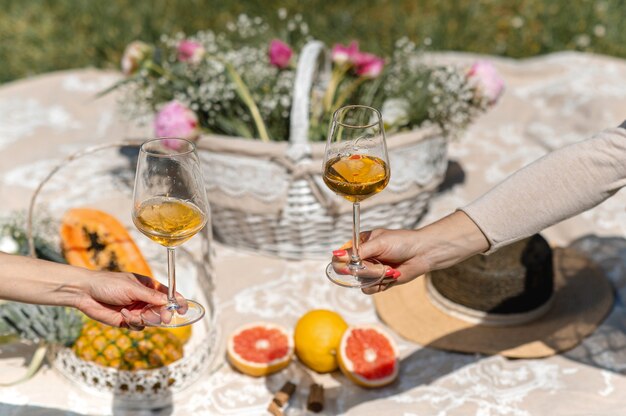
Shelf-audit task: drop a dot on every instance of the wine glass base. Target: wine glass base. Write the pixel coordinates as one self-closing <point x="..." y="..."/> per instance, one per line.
<point x="371" y="273"/>
<point x="165" y="316"/>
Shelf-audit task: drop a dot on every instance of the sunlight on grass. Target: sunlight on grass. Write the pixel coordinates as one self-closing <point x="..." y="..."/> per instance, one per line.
<point x="42" y="36"/>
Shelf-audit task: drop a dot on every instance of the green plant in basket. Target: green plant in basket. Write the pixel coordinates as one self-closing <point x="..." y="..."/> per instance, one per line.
<point x="241" y="82"/>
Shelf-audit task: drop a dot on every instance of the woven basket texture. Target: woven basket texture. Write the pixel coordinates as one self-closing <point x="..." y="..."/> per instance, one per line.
<point x="270" y="197"/>
<point x="260" y="204"/>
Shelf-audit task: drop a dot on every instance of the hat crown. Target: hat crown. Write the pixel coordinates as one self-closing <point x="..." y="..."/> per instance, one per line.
<point x="516" y="279"/>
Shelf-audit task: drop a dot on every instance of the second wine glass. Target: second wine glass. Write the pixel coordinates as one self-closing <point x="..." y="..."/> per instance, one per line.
<point x="356" y="166"/>
<point x="170" y="206"/>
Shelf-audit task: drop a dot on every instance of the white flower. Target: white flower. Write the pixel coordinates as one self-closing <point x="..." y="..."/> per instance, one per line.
<point x="395" y="112"/>
<point x="134" y="55"/>
<point x="9" y="245"/>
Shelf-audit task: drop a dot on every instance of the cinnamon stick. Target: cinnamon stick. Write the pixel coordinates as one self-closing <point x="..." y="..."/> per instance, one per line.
<point x="315" y="402"/>
<point x="284" y="394"/>
<point x="274" y="409"/>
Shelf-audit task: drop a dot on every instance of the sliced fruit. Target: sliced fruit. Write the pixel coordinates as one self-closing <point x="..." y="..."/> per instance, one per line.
<point x="368" y="356"/>
<point x="260" y="348"/>
<point x="97" y="241"/>
<point x="317" y="336"/>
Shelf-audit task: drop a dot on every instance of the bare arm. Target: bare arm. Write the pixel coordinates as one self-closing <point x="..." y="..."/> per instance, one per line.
<point x="113" y="298"/>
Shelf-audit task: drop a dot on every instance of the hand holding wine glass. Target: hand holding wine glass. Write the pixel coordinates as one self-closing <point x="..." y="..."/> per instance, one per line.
<point x="170" y="206"/>
<point x="356" y="166"/>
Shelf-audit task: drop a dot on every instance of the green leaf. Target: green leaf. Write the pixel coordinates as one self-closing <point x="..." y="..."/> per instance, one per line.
<point x="117" y="85"/>
<point x="234" y="126"/>
<point x="33" y="366"/>
<point x="244" y="93"/>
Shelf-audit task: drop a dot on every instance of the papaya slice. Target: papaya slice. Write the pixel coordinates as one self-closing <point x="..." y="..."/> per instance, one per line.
<point x="95" y="240"/>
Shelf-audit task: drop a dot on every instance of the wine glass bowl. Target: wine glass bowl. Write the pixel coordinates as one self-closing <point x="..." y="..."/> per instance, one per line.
<point x="356" y="167"/>
<point x="169" y="207"/>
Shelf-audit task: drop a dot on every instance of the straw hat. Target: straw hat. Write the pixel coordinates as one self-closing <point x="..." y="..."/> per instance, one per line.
<point x="501" y="304"/>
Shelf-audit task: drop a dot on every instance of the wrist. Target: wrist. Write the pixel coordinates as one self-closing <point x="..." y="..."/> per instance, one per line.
<point x="74" y="289"/>
<point x="451" y="240"/>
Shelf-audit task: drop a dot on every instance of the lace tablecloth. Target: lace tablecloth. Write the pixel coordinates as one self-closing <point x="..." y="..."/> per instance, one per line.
<point x="549" y="102"/>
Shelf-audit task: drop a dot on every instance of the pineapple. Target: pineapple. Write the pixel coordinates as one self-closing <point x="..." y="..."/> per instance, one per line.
<point x="127" y="350"/>
<point x="48" y="324"/>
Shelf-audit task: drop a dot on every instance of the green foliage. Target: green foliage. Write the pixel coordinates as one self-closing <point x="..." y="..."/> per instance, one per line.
<point x="46" y="35"/>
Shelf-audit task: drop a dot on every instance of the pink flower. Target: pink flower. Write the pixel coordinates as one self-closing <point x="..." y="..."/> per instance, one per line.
<point x="190" y="51"/>
<point x="486" y="79"/>
<point x="342" y="54"/>
<point x="279" y="53"/>
<point x="176" y="121"/>
<point x="368" y="65"/>
<point x="134" y="55"/>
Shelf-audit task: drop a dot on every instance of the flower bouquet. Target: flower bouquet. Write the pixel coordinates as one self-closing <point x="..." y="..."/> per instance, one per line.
<point x="259" y="104"/>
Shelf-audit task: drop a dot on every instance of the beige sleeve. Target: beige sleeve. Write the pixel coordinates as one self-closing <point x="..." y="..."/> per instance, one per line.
<point x="560" y="185"/>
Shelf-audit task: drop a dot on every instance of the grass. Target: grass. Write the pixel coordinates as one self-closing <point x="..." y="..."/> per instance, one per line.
<point x="46" y="35"/>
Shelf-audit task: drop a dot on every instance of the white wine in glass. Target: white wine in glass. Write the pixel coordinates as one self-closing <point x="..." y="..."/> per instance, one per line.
<point x="356" y="166"/>
<point x="169" y="207"/>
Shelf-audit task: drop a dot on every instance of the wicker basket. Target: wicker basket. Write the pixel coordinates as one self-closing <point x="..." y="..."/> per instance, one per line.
<point x="270" y="197"/>
<point x="145" y="389"/>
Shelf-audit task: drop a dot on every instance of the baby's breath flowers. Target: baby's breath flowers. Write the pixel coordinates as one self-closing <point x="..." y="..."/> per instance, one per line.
<point x="240" y="83"/>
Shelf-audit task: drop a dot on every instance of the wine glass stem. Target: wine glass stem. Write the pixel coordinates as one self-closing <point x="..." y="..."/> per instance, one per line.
<point x="171" y="279"/>
<point x="355" y="260"/>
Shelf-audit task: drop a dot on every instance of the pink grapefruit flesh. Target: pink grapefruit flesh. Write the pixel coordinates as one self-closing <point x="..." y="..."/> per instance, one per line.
<point x="368" y="356"/>
<point x="260" y="349"/>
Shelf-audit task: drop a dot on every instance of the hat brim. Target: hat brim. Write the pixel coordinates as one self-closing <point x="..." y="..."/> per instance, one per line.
<point x="582" y="299"/>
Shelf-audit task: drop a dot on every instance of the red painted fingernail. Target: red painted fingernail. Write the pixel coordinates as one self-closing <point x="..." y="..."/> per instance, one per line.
<point x="390" y="272"/>
<point x="339" y="253"/>
<point x="344" y="270"/>
<point x="396" y="274"/>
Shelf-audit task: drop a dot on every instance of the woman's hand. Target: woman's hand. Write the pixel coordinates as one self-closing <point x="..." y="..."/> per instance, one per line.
<point x="117" y="298"/>
<point x="412" y="253"/>
<point x="112" y="298"/>
<point x="398" y="249"/>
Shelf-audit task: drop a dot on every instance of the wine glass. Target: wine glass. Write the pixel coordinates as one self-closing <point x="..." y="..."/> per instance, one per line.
<point x="356" y="166"/>
<point x="170" y="206"/>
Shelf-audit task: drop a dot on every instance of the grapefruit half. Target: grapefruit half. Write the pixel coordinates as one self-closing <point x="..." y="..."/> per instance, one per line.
<point x="368" y="356"/>
<point x="260" y="348"/>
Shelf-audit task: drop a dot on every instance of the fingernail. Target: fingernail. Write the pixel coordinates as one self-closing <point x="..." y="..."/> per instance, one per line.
<point x="390" y="272"/>
<point x="125" y="313"/>
<point x="396" y="274"/>
<point x="339" y="253"/>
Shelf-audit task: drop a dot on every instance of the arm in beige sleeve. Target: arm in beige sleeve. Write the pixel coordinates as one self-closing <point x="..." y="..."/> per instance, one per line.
<point x="560" y="185"/>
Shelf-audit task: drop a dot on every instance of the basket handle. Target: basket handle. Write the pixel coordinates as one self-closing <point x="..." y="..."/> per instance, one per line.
<point x="299" y="147"/>
<point x="31" y="206"/>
